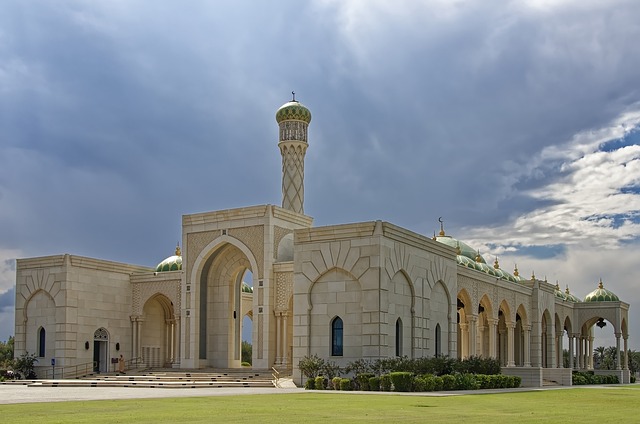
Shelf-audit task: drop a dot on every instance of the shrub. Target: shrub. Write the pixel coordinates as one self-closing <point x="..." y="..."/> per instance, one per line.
<point x="438" y="383"/>
<point x="311" y="366"/>
<point x="335" y="382"/>
<point x="578" y="379"/>
<point x="362" y="381"/>
<point x="385" y="383"/>
<point x="419" y="384"/>
<point x="448" y="382"/>
<point x="25" y="365"/>
<point x="310" y="384"/>
<point x="374" y="384"/>
<point x="466" y="382"/>
<point x="345" y="384"/>
<point x="359" y="366"/>
<point x="516" y="381"/>
<point x="320" y="383"/>
<point x="401" y="381"/>
<point x="483" y="381"/>
<point x="330" y="370"/>
<point x="633" y="378"/>
<point x="429" y="382"/>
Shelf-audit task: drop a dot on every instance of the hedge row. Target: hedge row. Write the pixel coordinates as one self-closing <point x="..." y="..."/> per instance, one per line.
<point x="406" y="382"/>
<point x="581" y="378"/>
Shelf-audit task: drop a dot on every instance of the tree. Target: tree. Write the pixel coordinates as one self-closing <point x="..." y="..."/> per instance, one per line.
<point x="247" y="350"/>
<point x="6" y="353"/>
<point x="25" y="365"/>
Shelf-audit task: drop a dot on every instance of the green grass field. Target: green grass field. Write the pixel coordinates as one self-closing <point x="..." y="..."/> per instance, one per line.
<point x="584" y="405"/>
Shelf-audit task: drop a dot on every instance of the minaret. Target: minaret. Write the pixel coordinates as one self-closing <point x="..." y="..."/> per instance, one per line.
<point x="293" y="119"/>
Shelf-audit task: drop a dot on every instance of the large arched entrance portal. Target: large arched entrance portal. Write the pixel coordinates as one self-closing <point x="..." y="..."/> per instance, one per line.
<point x="225" y="299"/>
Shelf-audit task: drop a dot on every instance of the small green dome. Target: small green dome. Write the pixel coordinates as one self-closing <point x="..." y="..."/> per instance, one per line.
<point x="463" y="248"/>
<point x="570" y="296"/>
<point x="172" y="263"/>
<point x="293" y="110"/>
<point x="559" y="293"/>
<point x="246" y="288"/>
<point x="601" y="295"/>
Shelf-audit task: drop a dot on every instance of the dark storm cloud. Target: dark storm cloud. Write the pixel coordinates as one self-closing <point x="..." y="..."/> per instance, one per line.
<point x="118" y="117"/>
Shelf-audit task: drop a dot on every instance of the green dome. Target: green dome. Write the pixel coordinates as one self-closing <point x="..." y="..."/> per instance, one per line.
<point x="172" y="263"/>
<point x="465" y="249"/>
<point x="246" y="288"/>
<point x="559" y="293"/>
<point x="601" y="295"/>
<point x="570" y="296"/>
<point x="293" y="110"/>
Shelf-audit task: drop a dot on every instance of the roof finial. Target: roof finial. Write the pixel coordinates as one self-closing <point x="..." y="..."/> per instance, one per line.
<point x="600" y="285"/>
<point x="178" y="251"/>
<point x="533" y="276"/>
<point x="441" y="227"/>
<point x="434" y="235"/>
<point x="496" y="265"/>
<point x="557" y="285"/>
<point x="516" y="273"/>
<point x="293" y="93"/>
<point x="478" y="257"/>
<point x="458" y="250"/>
<point x="567" y="289"/>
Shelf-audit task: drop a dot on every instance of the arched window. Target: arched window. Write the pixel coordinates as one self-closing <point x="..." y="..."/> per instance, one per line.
<point x="336" y="337"/>
<point x="398" y="337"/>
<point x="42" y="338"/>
<point x="438" y="341"/>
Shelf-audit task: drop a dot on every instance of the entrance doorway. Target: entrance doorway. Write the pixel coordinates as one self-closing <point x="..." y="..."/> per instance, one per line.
<point x="101" y="350"/>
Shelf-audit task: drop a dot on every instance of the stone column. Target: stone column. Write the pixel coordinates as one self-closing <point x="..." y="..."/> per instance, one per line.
<point x="618" y="365"/>
<point x="510" y="341"/>
<point x="492" y="338"/>
<point x="139" y="342"/>
<point x="285" y="347"/>
<point x="572" y="340"/>
<point x="134" y="337"/>
<point x="590" y="354"/>
<point x="625" y="364"/>
<point x="176" y="342"/>
<point x="464" y="341"/>
<point x="580" y="341"/>
<point x="559" y="351"/>
<point x="473" y="340"/>
<point x="527" y="345"/>
<point x="278" y="338"/>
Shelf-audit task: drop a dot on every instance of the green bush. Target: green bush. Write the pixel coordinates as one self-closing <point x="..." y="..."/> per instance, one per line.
<point x="345" y="384"/>
<point x="362" y="381"/>
<point x="419" y="384"/>
<point x="310" y="384"/>
<point x="401" y="381"/>
<point x="429" y="382"/>
<point x="320" y="383"/>
<point x="311" y="366"/>
<point x="374" y="384"/>
<point x="633" y="378"/>
<point x="385" y="383"/>
<point x="438" y="383"/>
<point x="516" y="381"/>
<point x="466" y="382"/>
<point x="448" y="382"/>
<point x="335" y="382"/>
<point x="578" y="379"/>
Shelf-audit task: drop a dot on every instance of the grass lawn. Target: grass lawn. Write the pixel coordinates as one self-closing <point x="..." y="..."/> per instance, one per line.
<point x="584" y="405"/>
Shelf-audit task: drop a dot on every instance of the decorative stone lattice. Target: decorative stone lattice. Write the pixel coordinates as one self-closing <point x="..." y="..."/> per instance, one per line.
<point x="253" y="238"/>
<point x="284" y="290"/>
<point x="101" y="334"/>
<point x="195" y="243"/>
<point x="293" y="131"/>
<point x="142" y="292"/>
<point x="293" y="176"/>
<point x="278" y="235"/>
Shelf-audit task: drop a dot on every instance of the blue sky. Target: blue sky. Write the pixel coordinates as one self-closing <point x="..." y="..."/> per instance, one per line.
<point x="517" y="122"/>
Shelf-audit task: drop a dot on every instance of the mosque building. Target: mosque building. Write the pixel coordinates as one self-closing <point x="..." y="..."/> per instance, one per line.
<point x="342" y="292"/>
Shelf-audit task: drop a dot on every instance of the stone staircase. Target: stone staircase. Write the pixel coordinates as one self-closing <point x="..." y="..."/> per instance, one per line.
<point x="164" y="378"/>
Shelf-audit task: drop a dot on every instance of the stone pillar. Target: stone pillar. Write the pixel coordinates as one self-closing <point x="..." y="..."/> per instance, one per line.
<point x="527" y="345"/>
<point x="473" y="340"/>
<point x="590" y="354"/>
<point x="278" y="338"/>
<point x="618" y="365"/>
<point x="625" y="364"/>
<point x="572" y="340"/>
<point x="134" y="337"/>
<point x="464" y="341"/>
<point x="510" y="342"/>
<point x="139" y="341"/>
<point x="176" y="342"/>
<point x="492" y="337"/>
<point x="559" y="351"/>
<point x="285" y="344"/>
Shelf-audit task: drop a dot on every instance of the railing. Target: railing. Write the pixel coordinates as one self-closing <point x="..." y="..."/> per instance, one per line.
<point x="276" y="377"/>
<point x="72" y="371"/>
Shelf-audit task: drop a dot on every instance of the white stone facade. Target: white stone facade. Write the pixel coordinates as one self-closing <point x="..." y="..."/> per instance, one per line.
<point x="343" y="292"/>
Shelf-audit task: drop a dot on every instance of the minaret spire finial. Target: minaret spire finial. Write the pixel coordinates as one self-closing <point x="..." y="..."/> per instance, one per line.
<point x="293" y="93"/>
<point x="442" y="234"/>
